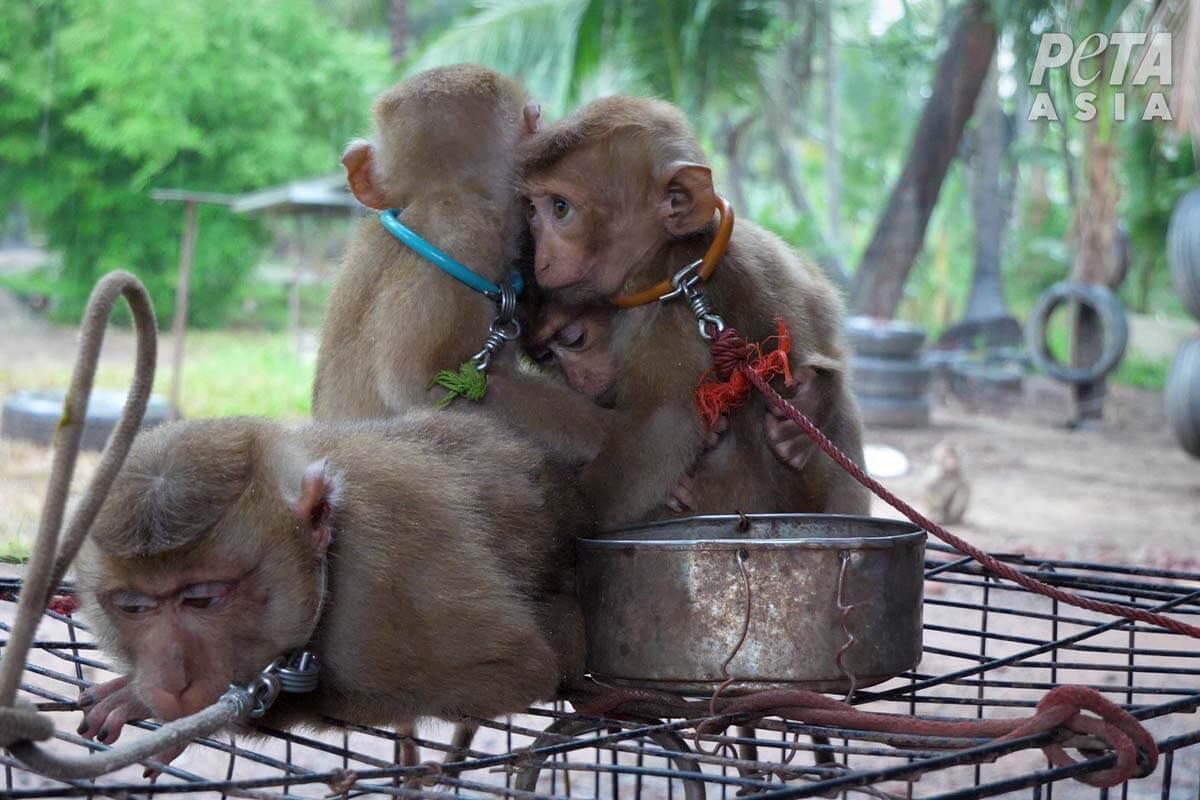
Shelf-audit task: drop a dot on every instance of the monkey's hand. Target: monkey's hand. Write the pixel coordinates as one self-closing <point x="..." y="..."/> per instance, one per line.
<point x="107" y="707"/>
<point x="683" y="495"/>
<point x="787" y="439"/>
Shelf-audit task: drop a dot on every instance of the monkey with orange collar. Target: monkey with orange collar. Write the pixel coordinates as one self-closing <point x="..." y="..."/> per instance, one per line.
<point x="575" y="343"/>
<point x="620" y="200"/>
<point x="426" y="561"/>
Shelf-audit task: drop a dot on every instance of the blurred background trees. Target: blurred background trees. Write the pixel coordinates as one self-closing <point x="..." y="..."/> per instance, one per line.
<point x="888" y="138"/>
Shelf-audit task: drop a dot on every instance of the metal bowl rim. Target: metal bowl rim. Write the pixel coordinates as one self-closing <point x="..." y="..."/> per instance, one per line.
<point x="907" y="534"/>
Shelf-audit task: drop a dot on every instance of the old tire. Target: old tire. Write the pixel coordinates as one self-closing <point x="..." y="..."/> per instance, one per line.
<point x="894" y="412"/>
<point x="1182" y="397"/>
<point x="1183" y="250"/>
<point x="884" y="338"/>
<point x="888" y="377"/>
<point x="34" y="416"/>
<point x="1106" y="305"/>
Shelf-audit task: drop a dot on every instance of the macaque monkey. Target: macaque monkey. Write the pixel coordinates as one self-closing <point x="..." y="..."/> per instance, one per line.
<point x="575" y="343"/>
<point x="944" y="487"/>
<point x="445" y="153"/>
<point x="426" y="560"/>
<point x="620" y="199"/>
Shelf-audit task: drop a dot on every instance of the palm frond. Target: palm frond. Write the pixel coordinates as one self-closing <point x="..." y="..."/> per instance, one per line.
<point x="533" y="40"/>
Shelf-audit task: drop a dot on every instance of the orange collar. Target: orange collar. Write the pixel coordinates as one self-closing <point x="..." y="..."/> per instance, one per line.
<point x="716" y="251"/>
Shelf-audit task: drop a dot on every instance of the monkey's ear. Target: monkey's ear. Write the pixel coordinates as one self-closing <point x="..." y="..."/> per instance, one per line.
<point x="689" y="198"/>
<point x="315" y="506"/>
<point x="533" y="117"/>
<point x="359" y="160"/>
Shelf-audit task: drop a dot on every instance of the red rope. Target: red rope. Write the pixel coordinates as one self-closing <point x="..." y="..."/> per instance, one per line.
<point x="718" y="397"/>
<point x="731" y="352"/>
<point x="1061" y="707"/>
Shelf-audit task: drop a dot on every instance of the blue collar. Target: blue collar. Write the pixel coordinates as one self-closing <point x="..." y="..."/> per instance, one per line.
<point x="452" y="267"/>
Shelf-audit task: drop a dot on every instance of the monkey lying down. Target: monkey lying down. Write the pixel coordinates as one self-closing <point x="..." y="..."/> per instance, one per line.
<point x="426" y="560"/>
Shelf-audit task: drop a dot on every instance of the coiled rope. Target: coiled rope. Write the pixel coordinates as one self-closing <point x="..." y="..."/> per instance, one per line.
<point x="21" y="725"/>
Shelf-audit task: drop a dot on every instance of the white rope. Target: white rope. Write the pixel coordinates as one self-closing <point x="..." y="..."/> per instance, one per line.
<point x="20" y="724"/>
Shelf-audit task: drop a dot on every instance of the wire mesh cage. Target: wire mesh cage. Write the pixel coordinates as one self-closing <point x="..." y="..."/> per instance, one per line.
<point x="991" y="650"/>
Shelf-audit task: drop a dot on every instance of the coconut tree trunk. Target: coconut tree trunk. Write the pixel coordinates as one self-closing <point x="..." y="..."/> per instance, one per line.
<point x="900" y="234"/>
<point x="991" y="204"/>
<point x="1096" y="259"/>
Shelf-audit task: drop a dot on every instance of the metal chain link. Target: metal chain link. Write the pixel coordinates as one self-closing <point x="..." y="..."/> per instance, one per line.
<point x="504" y="328"/>
<point x="687" y="285"/>
<point x="296" y="673"/>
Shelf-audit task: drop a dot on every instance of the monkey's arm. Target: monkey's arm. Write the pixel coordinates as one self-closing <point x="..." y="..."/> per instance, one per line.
<point x="635" y="472"/>
<point x="567" y="421"/>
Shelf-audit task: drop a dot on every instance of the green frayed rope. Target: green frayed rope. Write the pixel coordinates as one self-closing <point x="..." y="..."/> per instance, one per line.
<point x="468" y="382"/>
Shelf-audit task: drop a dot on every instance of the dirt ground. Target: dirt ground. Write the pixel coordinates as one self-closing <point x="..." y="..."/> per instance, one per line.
<point x="1125" y="493"/>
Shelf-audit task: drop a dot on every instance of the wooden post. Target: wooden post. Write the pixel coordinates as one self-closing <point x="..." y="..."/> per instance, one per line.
<point x="187" y="250"/>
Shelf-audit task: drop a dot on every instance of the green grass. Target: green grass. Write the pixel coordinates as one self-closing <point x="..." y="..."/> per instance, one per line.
<point x="243" y="373"/>
<point x="224" y="373"/>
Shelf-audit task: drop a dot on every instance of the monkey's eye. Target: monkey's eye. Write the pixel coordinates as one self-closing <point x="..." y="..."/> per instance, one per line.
<point x="572" y="335"/>
<point x="205" y="595"/>
<point x="561" y="208"/>
<point x="530" y="211"/>
<point x="132" y="602"/>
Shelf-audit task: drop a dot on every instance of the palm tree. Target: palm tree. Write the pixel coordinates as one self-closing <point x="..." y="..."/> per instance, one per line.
<point x="695" y="54"/>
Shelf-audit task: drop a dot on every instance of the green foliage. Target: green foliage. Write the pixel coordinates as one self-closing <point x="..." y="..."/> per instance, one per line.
<point x="103" y="100"/>
<point x="1157" y="170"/>
<point x="691" y="53"/>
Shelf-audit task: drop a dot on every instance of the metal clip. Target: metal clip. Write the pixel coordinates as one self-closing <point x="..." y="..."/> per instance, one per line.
<point x="299" y="672"/>
<point x="687" y="286"/>
<point x="504" y="328"/>
<point x="296" y="673"/>
<point x="263" y="690"/>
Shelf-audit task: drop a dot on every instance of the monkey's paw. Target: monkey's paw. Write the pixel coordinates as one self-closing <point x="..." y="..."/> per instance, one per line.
<point x="788" y="441"/>
<point x="107" y="707"/>
<point x="683" y="496"/>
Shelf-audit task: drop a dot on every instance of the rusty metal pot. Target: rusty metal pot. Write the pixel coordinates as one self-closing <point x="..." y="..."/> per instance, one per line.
<point x="834" y="602"/>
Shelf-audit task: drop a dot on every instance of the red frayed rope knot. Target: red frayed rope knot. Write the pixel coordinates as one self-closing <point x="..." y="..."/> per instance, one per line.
<point x="725" y="386"/>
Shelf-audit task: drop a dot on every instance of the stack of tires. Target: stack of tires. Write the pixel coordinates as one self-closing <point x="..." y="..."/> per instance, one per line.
<point x="1183" y="381"/>
<point x="887" y="374"/>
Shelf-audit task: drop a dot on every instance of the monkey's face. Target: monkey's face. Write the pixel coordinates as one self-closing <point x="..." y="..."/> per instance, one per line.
<point x="577" y="344"/>
<point x="190" y="632"/>
<point x="590" y="234"/>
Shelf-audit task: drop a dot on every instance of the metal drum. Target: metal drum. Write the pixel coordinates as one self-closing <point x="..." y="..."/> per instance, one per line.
<point x="833" y="602"/>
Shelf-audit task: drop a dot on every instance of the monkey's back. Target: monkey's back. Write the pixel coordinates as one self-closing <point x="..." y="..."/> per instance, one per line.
<point x="394" y="321"/>
<point x="452" y="570"/>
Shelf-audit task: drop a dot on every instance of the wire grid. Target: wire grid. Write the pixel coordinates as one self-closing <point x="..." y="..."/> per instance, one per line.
<point x="991" y="649"/>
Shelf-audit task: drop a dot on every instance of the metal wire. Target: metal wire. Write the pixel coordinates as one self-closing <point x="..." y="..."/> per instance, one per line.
<point x="991" y="649"/>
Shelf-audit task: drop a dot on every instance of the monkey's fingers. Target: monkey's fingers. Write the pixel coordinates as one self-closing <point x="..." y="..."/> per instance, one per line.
<point x="683" y="496"/>
<point x="164" y="758"/>
<point x="788" y="442"/>
<point x="100" y="691"/>
<point x="713" y="437"/>
<point x="105" y="720"/>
